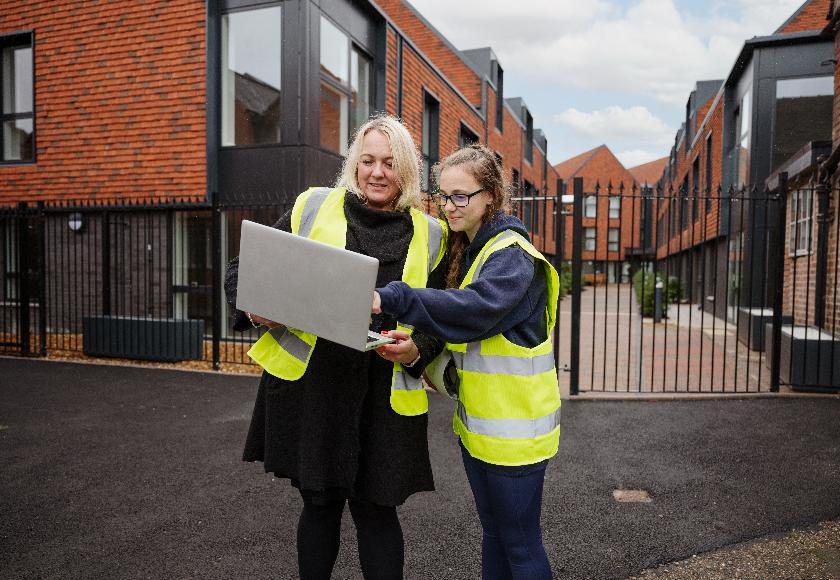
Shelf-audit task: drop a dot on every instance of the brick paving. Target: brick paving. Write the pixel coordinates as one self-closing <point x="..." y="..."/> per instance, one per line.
<point x="690" y="351"/>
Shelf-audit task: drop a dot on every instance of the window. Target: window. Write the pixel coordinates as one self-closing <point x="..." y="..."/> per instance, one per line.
<point x="499" y="160"/>
<point x="430" y="144"/>
<point x="345" y="88"/>
<point x="17" y="137"/>
<point x="709" y="184"/>
<point x="803" y="114"/>
<point x="533" y="223"/>
<point x="514" y="182"/>
<point x="466" y="136"/>
<point x="590" y="206"/>
<point x="800" y="228"/>
<point x="695" y="189"/>
<point x="529" y="137"/>
<point x="615" y="207"/>
<point x="613" y="235"/>
<point x="500" y="97"/>
<point x="743" y="125"/>
<point x="251" y="77"/>
<point x="589" y="239"/>
<point x="684" y="203"/>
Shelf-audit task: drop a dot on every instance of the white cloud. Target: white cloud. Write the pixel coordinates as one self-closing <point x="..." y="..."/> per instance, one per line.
<point x="634" y="157"/>
<point x="636" y="124"/>
<point x="644" y="47"/>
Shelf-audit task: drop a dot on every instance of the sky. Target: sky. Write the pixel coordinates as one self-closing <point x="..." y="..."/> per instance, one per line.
<point x="614" y="72"/>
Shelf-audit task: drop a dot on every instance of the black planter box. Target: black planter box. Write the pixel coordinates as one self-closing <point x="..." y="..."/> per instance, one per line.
<point x="752" y="323"/>
<point x="161" y="339"/>
<point x="806" y="357"/>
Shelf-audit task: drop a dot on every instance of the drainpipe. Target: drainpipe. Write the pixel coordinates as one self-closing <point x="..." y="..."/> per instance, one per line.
<point x="822" y="190"/>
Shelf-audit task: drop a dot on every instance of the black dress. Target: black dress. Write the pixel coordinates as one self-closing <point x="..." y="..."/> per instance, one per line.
<point x="333" y="432"/>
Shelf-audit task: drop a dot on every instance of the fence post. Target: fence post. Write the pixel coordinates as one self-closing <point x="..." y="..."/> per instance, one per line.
<point x="778" y="279"/>
<point x="217" y="277"/>
<point x="23" y="277"/>
<point x="577" y="271"/>
<point x="558" y="261"/>
<point x="42" y="279"/>
<point x="105" y="240"/>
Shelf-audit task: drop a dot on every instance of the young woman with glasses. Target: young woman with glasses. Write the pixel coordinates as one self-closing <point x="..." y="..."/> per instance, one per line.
<point x="496" y="317"/>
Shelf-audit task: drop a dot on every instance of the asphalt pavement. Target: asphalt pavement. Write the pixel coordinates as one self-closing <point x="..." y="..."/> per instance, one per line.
<point x="126" y="472"/>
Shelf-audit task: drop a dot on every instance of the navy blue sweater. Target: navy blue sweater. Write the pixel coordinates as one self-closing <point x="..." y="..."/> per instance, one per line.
<point x="508" y="296"/>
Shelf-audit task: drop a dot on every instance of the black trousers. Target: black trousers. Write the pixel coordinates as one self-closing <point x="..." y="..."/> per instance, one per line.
<point x="381" y="548"/>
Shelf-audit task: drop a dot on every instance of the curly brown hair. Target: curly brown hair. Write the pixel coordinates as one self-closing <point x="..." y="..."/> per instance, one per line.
<point x="481" y="163"/>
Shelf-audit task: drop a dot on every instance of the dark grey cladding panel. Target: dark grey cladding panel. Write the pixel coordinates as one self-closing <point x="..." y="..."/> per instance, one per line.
<point x="260" y="171"/>
<point x="356" y="18"/>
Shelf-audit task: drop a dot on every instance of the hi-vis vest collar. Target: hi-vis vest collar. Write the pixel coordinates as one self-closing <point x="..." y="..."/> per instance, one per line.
<point x="318" y="213"/>
<point x="508" y="409"/>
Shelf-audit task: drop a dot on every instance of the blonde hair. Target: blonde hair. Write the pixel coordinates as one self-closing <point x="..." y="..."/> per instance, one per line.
<point x="406" y="160"/>
<point x="480" y="162"/>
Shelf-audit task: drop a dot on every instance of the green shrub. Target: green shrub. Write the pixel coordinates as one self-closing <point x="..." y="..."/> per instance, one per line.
<point x="644" y="285"/>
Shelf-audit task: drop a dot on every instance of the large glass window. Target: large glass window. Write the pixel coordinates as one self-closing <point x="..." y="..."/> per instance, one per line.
<point x="743" y="124"/>
<point x="251" y="77"/>
<point x="803" y="114"/>
<point x="345" y="88"/>
<point x="17" y="137"/>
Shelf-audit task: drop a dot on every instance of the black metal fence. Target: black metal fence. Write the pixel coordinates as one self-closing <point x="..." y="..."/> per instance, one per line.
<point x="138" y="280"/>
<point x="677" y="291"/>
<point x="665" y="290"/>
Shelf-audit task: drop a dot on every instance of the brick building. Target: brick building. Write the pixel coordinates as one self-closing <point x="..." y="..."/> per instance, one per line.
<point x="615" y="215"/>
<point x="232" y="101"/>
<point x="737" y="133"/>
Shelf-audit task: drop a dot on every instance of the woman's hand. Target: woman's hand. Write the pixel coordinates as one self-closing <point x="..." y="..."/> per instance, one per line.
<point x="377" y="303"/>
<point x="403" y="351"/>
<point x="260" y="321"/>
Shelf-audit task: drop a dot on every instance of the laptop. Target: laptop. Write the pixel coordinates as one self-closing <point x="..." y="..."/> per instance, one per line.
<point x="308" y="285"/>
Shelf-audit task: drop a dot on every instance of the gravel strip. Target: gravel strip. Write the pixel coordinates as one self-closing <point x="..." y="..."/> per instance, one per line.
<point x="812" y="553"/>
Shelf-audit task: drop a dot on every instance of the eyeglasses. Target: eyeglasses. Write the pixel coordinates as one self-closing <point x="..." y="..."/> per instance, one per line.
<point x="457" y="199"/>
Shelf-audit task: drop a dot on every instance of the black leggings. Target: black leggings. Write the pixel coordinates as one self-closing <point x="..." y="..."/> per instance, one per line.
<point x="381" y="550"/>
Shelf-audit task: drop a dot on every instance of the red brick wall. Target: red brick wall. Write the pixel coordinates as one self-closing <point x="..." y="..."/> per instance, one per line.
<point x="812" y="17"/>
<point x="456" y="70"/>
<point x="832" y="307"/>
<point x="119" y="99"/>
<point x="706" y="226"/>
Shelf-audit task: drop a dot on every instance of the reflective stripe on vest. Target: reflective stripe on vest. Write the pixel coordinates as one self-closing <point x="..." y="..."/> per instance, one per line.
<point x="319" y="214"/>
<point x="474" y="362"/>
<point x="508" y="409"/>
<point x="512" y="428"/>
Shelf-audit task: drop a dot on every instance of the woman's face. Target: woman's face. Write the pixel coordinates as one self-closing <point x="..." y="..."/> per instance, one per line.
<point x="375" y="171"/>
<point x="456" y="180"/>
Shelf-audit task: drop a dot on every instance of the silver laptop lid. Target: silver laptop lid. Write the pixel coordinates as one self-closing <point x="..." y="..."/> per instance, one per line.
<point x="306" y="284"/>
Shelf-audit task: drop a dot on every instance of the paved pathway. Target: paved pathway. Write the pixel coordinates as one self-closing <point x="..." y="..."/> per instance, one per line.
<point x="691" y="351"/>
<point x="121" y="472"/>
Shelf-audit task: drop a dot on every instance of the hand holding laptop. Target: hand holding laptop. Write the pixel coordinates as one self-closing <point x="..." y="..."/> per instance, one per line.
<point x="260" y="321"/>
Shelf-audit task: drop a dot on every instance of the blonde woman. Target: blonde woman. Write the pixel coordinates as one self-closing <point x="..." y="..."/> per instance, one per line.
<point x="345" y="426"/>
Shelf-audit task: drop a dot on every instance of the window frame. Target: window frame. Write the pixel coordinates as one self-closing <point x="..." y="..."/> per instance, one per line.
<point x="587" y="205"/>
<point x="587" y="238"/>
<point x="616" y="199"/>
<point x="345" y="89"/>
<point x="616" y="242"/>
<point x="221" y="71"/>
<point x="24" y="38"/>
<point x="429" y="143"/>
<point x="464" y="131"/>
<point x="801" y="217"/>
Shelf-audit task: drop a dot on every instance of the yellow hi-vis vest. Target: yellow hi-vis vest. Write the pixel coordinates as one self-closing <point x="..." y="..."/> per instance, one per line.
<point x="508" y="410"/>
<point x="318" y="214"/>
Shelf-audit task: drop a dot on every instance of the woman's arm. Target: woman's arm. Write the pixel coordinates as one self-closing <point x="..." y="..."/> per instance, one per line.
<point x="478" y="311"/>
<point x="240" y="319"/>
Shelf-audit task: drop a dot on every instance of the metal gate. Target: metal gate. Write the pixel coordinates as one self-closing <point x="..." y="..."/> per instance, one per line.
<point x="672" y="290"/>
<point x="22" y="322"/>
